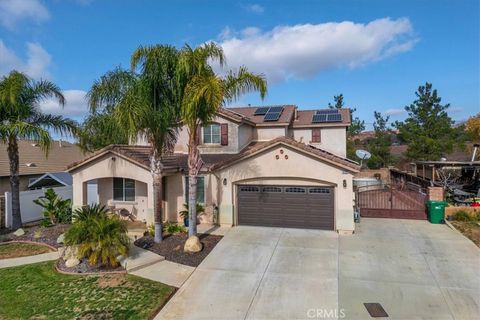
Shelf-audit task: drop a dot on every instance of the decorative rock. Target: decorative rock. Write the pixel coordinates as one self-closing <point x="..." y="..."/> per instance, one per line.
<point x="61" y="238"/>
<point x="193" y="244"/>
<point x="61" y="251"/>
<point x="19" y="232"/>
<point x="70" y="252"/>
<point x="70" y="263"/>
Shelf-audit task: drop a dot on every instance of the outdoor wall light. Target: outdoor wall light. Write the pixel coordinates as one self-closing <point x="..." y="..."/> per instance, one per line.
<point x="344" y="183"/>
<point x="224" y="181"/>
<point x="113" y="158"/>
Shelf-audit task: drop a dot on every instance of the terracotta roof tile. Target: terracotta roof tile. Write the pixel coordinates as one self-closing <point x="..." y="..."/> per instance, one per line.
<point x="304" y="118"/>
<point x="330" y="157"/>
<point x="59" y="157"/>
<point x="248" y="112"/>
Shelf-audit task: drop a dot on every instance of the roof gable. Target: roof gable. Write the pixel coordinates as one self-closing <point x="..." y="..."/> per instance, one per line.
<point x="323" y="155"/>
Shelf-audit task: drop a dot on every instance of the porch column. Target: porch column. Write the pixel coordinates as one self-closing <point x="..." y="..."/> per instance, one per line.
<point x="79" y="193"/>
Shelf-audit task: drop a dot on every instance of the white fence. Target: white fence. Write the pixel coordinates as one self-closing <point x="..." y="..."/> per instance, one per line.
<point x="29" y="210"/>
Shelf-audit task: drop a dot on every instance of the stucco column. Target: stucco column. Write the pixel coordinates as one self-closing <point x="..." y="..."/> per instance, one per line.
<point x="79" y="193"/>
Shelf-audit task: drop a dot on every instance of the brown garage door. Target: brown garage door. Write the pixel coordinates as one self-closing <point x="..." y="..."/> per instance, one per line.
<point x="286" y="206"/>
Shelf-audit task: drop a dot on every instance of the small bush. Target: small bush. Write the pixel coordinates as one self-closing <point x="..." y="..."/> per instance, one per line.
<point x="463" y="215"/>
<point x="45" y="223"/>
<point x="100" y="238"/>
<point x="200" y="210"/>
<point x="173" y="228"/>
<point x="56" y="209"/>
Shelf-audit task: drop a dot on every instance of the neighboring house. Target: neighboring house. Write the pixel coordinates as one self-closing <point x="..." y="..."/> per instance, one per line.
<point x="51" y="180"/>
<point x="34" y="164"/>
<point x="266" y="166"/>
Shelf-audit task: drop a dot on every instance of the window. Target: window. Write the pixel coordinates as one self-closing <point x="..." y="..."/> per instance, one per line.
<point x="123" y="189"/>
<point x="211" y="134"/>
<point x="271" y="189"/>
<point x="200" y="190"/>
<point x="249" y="189"/>
<point x="295" y="190"/>
<point x="316" y="135"/>
<point x="319" y="190"/>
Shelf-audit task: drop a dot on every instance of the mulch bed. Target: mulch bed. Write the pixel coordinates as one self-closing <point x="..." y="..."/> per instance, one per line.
<point x="47" y="235"/>
<point x="172" y="247"/>
<point x="470" y="229"/>
<point x="85" y="268"/>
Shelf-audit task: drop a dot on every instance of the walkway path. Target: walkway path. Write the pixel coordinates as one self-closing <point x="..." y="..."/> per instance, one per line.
<point x="14" y="262"/>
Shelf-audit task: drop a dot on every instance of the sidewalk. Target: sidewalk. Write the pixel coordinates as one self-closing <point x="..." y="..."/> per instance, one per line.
<point x="14" y="262"/>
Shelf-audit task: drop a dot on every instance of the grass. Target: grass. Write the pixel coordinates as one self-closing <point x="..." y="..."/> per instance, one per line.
<point x="37" y="291"/>
<point x="470" y="229"/>
<point x="15" y="250"/>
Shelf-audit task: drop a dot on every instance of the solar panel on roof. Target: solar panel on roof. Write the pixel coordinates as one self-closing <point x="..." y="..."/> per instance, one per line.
<point x="328" y="111"/>
<point x="275" y="109"/>
<point x="261" y="111"/>
<point x="317" y="118"/>
<point x="272" y="116"/>
<point x="334" y="117"/>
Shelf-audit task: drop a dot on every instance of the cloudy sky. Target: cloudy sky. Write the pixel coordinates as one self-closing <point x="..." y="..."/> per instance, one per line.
<point x="374" y="52"/>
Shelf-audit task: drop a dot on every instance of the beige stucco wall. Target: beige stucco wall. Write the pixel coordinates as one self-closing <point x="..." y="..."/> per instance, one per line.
<point x="333" y="140"/>
<point x="298" y="169"/>
<point x="175" y="197"/>
<point x="269" y="133"/>
<point x="106" y="167"/>
<point x="24" y="182"/>
<point x="245" y="135"/>
<point x="233" y="139"/>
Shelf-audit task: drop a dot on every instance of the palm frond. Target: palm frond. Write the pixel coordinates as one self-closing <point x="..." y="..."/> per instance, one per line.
<point x="241" y="82"/>
<point x="110" y="89"/>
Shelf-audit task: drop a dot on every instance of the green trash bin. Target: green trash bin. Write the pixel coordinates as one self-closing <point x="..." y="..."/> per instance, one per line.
<point x="436" y="211"/>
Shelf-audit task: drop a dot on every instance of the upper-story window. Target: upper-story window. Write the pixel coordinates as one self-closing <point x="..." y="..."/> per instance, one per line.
<point x="316" y="135"/>
<point x="211" y="134"/>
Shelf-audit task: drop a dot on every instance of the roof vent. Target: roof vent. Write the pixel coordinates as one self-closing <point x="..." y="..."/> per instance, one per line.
<point x="30" y="164"/>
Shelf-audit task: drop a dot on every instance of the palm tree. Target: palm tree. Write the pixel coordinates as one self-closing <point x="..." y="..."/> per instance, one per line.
<point x="204" y="93"/>
<point x="145" y="104"/>
<point x="21" y="118"/>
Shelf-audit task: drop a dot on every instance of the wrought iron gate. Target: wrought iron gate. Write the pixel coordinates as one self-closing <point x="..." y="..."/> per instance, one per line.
<point x="391" y="201"/>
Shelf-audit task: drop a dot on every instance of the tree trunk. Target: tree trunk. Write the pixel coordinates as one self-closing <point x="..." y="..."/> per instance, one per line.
<point x="14" y="182"/>
<point x="192" y="205"/>
<point x="193" y="168"/>
<point x="156" y="170"/>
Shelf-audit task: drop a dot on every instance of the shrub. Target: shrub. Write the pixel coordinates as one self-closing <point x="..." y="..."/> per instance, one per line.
<point x="173" y="228"/>
<point x="45" y="223"/>
<point x="56" y="209"/>
<point x="463" y="215"/>
<point x="99" y="237"/>
<point x="200" y="210"/>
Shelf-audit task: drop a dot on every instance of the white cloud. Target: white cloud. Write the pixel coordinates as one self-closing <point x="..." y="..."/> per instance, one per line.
<point x="394" y="112"/>
<point x="13" y="11"/>
<point x="303" y="51"/>
<point x="455" y="110"/>
<point x="255" y="8"/>
<point x="75" y="107"/>
<point x="35" y="65"/>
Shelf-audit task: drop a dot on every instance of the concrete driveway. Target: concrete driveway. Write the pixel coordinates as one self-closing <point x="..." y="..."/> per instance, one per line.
<point x="414" y="269"/>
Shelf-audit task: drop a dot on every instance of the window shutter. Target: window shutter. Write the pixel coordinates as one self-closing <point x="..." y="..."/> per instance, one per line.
<point x="316" y="137"/>
<point x="224" y="134"/>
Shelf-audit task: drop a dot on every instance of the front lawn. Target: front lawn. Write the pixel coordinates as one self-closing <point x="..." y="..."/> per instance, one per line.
<point x="15" y="250"/>
<point x="37" y="291"/>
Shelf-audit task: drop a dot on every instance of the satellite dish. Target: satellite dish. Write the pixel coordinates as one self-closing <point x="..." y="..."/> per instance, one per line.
<point x="363" y="155"/>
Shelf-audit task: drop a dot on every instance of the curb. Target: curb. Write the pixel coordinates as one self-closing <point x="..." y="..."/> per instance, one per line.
<point x="87" y="273"/>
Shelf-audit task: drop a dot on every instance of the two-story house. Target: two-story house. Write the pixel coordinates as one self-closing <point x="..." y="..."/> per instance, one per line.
<point x="263" y="166"/>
